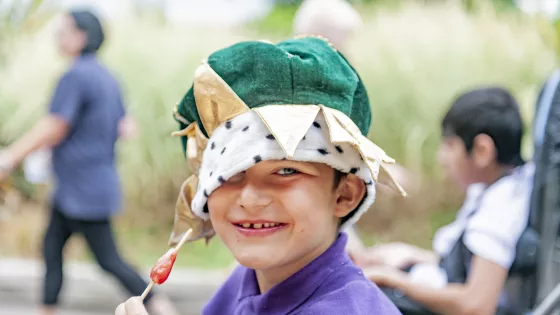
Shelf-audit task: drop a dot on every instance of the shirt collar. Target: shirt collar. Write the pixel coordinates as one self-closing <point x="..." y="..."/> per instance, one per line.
<point x="294" y="291"/>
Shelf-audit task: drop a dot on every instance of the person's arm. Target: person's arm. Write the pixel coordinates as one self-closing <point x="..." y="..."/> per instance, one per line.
<point x="396" y="255"/>
<point x="48" y="132"/>
<point x="51" y="129"/>
<point x="478" y="296"/>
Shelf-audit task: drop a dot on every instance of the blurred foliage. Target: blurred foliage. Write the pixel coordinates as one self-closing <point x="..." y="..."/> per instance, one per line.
<point x="278" y="23"/>
<point x="414" y="58"/>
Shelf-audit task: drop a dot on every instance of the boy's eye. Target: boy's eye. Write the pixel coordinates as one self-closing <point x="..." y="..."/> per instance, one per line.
<point x="237" y="177"/>
<point x="287" y="171"/>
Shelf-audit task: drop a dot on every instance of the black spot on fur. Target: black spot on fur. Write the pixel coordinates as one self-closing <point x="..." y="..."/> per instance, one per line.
<point x="339" y="149"/>
<point x="212" y="146"/>
<point x="323" y="151"/>
<point x="205" y="210"/>
<point x="221" y="179"/>
<point x="246" y="128"/>
<point x="205" y="193"/>
<point x="211" y="174"/>
<point x="369" y="183"/>
<point x="257" y="158"/>
<point x="316" y="124"/>
<point x="228" y="124"/>
<point x="354" y="170"/>
<point x="270" y="137"/>
<point x="223" y="150"/>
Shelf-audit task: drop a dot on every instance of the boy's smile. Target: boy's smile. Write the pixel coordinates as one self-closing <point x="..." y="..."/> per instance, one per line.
<point x="258" y="227"/>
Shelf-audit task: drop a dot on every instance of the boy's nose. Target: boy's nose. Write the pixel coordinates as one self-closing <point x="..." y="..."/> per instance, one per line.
<point x="253" y="198"/>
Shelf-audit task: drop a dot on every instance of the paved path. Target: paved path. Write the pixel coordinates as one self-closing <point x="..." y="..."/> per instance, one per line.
<point x="88" y="291"/>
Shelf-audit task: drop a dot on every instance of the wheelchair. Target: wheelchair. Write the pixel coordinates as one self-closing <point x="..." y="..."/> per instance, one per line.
<point x="533" y="285"/>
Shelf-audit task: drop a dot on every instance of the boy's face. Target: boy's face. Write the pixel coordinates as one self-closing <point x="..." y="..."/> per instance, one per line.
<point x="279" y="213"/>
<point x="456" y="161"/>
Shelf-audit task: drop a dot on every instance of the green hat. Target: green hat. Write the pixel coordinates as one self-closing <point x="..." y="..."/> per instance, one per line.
<point x="249" y="94"/>
<point x="298" y="71"/>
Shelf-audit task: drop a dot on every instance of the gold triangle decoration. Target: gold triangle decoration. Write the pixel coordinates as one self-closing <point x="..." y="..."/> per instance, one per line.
<point x="196" y="143"/>
<point x="300" y="118"/>
<point x="185" y="218"/>
<point x="215" y="101"/>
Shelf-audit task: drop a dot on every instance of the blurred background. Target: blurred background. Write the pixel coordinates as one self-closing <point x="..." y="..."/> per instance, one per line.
<point x="414" y="57"/>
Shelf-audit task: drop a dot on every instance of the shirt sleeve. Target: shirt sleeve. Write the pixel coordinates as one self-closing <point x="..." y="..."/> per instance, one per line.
<point x="493" y="232"/>
<point x="68" y="98"/>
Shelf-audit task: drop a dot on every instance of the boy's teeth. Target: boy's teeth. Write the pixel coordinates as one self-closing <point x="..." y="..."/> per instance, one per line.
<point x="258" y="225"/>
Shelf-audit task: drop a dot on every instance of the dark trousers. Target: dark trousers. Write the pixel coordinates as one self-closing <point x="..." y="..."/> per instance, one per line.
<point x="99" y="237"/>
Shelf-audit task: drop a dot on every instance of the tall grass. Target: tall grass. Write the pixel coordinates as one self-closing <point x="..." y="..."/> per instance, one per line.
<point x="414" y="59"/>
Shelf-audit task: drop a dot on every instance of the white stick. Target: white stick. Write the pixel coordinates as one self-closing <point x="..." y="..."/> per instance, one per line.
<point x="181" y="242"/>
<point x="148" y="289"/>
<point x="183" y="239"/>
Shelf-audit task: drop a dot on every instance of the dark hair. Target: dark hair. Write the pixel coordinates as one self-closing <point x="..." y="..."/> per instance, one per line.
<point x="338" y="176"/>
<point x="492" y="111"/>
<point x="88" y="23"/>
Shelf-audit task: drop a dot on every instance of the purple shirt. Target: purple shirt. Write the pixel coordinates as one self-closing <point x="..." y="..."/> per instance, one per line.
<point x="330" y="284"/>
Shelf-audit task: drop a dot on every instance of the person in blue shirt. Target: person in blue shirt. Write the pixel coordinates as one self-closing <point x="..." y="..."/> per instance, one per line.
<point x="86" y="117"/>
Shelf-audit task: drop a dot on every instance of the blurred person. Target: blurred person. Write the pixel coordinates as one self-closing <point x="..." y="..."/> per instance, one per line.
<point x="481" y="152"/>
<point x="86" y="117"/>
<point x="334" y="19"/>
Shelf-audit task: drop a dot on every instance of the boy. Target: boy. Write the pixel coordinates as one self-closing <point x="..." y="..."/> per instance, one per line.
<point x="481" y="152"/>
<point x="278" y="132"/>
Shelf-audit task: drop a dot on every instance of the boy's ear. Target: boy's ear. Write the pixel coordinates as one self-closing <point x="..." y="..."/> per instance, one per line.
<point x="350" y="193"/>
<point x="483" y="151"/>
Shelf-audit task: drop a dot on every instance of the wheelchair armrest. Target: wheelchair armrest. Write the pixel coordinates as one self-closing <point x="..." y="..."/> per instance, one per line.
<point x="526" y="254"/>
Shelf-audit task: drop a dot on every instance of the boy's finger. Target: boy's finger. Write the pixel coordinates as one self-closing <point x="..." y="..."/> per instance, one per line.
<point x="120" y="310"/>
<point x="135" y="306"/>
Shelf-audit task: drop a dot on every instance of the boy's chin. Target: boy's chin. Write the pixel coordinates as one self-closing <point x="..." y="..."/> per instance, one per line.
<point x="258" y="261"/>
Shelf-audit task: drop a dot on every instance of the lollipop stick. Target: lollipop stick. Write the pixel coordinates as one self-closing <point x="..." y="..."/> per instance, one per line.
<point x="183" y="239"/>
<point x="148" y="289"/>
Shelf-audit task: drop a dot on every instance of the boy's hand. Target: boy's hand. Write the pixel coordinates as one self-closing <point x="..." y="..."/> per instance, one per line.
<point x="386" y="276"/>
<point x="128" y="128"/>
<point x="134" y="306"/>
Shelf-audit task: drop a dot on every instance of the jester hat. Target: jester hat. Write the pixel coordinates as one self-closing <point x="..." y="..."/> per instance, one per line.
<point x="254" y="101"/>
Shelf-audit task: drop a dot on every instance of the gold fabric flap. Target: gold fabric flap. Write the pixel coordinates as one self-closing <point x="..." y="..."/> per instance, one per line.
<point x="185" y="219"/>
<point x="216" y="102"/>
